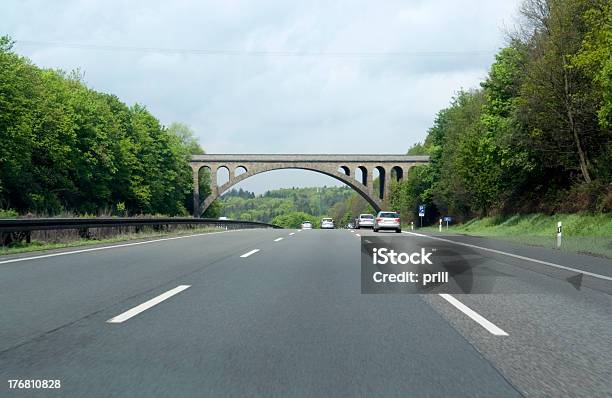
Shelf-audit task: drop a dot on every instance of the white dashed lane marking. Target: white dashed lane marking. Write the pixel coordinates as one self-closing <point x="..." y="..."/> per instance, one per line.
<point x="247" y="254"/>
<point x="147" y="304"/>
<point x="476" y="317"/>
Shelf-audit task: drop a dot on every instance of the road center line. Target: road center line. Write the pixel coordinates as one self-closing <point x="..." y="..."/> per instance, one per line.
<point x="292" y="233"/>
<point x="482" y="321"/>
<point x="278" y="239"/>
<point x="357" y="235"/>
<point x="608" y="278"/>
<point x="94" y="249"/>
<point x="147" y="304"/>
<point x="245" y="255"/>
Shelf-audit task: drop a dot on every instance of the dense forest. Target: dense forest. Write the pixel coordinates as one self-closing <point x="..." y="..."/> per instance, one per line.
<point x="289" y="207"/>
<point x="536" y="136"/>
<point x="65" y="148"/>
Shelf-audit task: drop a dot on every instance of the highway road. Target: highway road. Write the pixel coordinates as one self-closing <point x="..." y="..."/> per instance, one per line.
<point x="280" y="313"/>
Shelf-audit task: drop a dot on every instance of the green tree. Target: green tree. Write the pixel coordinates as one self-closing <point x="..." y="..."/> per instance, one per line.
<point x="559" y="103"/>
<point x="66" y="147"/>
<point x="295" y="219"/>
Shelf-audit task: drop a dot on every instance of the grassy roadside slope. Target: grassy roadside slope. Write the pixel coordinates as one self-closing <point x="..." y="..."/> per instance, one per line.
<point x="582" y="233"/>
<point x="124" y="237"/>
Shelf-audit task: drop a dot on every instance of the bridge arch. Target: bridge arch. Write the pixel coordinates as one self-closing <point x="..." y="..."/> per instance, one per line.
<point x="351" y="182"/>
<point x="397" y="173"/>
<point x="335" y="166"/>
<point x="345" y="170"/>
<point x="223" y="173"/>
<point x="361" y="174"/>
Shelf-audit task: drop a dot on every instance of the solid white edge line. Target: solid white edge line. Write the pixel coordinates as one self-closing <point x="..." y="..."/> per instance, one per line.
<point x="608" y="278"/>
<point x="278" y="239"/>
<point x="93" y="249"/>
<point x="245" y="255"/>
<point x="147" y="304"/>
<point x="476" y="317"/>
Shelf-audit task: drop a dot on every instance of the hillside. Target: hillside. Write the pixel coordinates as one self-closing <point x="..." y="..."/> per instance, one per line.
<point x="288" y="207"/>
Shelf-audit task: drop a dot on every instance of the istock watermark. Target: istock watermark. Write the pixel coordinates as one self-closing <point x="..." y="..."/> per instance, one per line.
<point x="384" y="256"/>
<point x="402" y="265"/>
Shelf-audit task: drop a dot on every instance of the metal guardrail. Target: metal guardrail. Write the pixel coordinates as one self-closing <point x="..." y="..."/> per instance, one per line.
<point x="14" y="230"/>
<point x="40" y="224"/>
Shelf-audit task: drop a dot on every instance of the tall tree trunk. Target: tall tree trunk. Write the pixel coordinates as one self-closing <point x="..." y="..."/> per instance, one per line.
<point x="584" y="162"/>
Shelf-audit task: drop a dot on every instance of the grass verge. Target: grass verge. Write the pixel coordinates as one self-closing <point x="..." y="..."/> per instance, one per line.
<point x="582" y="233"/>
<point x="23" y="247"/>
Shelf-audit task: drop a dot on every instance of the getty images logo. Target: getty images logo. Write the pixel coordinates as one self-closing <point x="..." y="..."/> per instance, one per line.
<point x="384" y="256"/>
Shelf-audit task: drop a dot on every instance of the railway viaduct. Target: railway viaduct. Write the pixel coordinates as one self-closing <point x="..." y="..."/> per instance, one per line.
<point x="341" y="167"/>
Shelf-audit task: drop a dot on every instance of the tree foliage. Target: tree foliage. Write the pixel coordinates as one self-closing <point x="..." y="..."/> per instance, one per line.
<point x="536" y="136"/>
<point x="294" y="219"/>
<point x="66" y="147"/>
<point x="315" y="202"/>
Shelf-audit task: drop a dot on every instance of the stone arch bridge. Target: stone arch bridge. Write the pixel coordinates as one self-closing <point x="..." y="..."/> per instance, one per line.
<point x="341" y="167"/>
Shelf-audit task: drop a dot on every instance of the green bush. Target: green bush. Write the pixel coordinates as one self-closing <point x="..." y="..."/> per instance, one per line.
<point x="9" y="213"/>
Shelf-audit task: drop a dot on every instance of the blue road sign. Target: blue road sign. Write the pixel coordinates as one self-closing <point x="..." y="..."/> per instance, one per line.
<point x="421" y="210"/>
<point x="447" y="219"/>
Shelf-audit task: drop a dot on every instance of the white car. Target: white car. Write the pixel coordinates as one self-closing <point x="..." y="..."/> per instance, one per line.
<point x="387" y="220"/>
<point x="365" y="221"/>
<point x="327" y="223"/>
<point x="306" y="225"/>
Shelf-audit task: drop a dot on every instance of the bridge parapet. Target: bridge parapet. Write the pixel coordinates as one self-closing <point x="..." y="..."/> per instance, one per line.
<point x="342" y="167"/>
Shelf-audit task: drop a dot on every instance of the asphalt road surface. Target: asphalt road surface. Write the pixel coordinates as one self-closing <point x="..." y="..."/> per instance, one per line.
<point x="280" y="313"/>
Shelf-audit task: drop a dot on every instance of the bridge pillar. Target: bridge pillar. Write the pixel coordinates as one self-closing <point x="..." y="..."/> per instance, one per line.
<point x="386" y="187"/>
<point x="369" y="178"/>
<point x="196" y="191"/>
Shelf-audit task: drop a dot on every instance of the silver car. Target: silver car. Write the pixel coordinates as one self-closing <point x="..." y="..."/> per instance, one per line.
<point x="327" y="223"/>
<point x="365" y="221"/>
<point x="306" y="225"/>
<point x="387" y="220"/>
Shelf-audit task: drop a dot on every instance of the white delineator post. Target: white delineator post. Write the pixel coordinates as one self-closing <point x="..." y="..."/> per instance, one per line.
<point x="412" y="225"/>
<point x="440" y="225"/>
<point x="559" y="235"/>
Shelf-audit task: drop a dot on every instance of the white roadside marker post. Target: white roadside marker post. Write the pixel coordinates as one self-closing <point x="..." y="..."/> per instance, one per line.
<point x="559" y="235"/>
<point x="412" y="225"/>
<point x="440" y="226"/>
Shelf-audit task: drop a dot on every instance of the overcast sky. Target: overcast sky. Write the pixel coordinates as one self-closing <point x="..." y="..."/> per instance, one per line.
<point x="368" y="77"/>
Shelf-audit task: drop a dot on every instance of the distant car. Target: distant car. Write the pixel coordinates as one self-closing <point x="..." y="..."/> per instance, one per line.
<point x="306" y="225"/>
<point x="223" y="218"/>
<point x="387" y="220"/>
<point x="327" y="223"/>
<point x="365" y="221"/>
